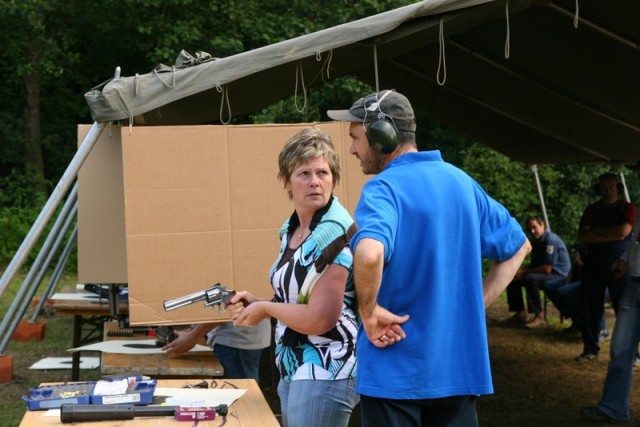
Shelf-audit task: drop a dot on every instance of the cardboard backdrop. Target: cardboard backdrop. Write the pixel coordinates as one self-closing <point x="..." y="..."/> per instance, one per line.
<point x="202" y="205"/>
<point x="102" y="250"/>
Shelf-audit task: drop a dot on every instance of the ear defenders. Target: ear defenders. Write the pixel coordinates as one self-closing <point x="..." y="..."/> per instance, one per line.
<point x="382" y="133"/>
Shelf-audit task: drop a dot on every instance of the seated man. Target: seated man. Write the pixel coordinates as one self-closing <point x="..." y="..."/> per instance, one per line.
<point x="549" y="261"/>
<point x="566" y="294"/>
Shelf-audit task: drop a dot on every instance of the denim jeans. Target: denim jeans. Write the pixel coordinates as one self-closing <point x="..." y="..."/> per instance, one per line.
<point x="624" y="342"/>
<point x="567" y="297"/>
<point x="317" y="403"/>
<point x="452" y="411"/>
<point x="237" y="362"/>
<point x="533" y="283"/>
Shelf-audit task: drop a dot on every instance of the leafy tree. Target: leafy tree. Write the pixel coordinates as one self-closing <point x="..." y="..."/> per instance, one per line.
<point x="54" y="51"/>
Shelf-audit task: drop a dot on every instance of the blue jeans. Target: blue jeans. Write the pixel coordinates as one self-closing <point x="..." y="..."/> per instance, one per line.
<point x="317" y="403"/>
<point x="626" y="334"/>
<point x="452" y="411"/>
<point x="533" y="283"/>
<point x="567" y="297"/>
<point x="238" y="363"/>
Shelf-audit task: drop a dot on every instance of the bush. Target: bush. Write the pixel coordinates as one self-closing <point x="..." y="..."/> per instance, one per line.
<point x="20" y="205"/>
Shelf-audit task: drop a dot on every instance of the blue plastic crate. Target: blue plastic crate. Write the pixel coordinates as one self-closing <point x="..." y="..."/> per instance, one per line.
<point x="53" y="396"/>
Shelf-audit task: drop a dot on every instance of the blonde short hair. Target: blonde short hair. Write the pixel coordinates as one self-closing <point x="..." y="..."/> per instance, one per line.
<point x="307" y="144"/>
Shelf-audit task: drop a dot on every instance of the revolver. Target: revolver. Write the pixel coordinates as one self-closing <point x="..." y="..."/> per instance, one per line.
<point x="216" y="295"/>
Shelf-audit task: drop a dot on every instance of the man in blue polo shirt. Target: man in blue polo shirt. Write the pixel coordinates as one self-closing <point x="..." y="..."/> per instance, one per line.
<point x="424" y="227"/>
<point x="549" y="261"/>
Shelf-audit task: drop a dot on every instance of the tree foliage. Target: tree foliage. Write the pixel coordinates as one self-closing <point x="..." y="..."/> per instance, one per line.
<point x="62" y="49"/>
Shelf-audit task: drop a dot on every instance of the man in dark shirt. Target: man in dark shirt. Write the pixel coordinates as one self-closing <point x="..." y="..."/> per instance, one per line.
<point x="605" y="227"/>
<point x="549" y="261"/>
<point x="614" y="405"/>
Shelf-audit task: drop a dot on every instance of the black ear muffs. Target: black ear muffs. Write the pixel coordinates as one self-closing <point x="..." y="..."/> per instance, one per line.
<point x="382" y="133"/>
<point x="382" y="136"/>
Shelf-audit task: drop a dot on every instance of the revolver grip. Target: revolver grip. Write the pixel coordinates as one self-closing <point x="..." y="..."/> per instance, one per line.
<point x="229" y="295"/>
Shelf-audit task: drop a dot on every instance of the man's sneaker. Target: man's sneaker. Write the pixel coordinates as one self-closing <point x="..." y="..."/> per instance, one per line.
<point x="636" y="361"/>
<point x="586" y="357"/>
<point x="593" y="413"/>
<point x="604" y="335"/>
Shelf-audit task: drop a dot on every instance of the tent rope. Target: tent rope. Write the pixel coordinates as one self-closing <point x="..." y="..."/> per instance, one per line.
<point x="225" y="96"/>
<point x="442" y="62"/>
<point x="576" y="19"/>
<point x="300" y="72"/>
<point x="375" y="65"/>
<point x="326" y="65"/>
<point x="173" y="77"/>
<point x="507" y="43"/>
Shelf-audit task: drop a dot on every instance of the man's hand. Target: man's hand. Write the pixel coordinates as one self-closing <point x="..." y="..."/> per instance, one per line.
<point x="383" y="327"/>
<point x="186" y="340"/>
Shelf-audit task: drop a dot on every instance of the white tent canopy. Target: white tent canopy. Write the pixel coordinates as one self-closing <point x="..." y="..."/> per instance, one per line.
<point x="541" y="81"/>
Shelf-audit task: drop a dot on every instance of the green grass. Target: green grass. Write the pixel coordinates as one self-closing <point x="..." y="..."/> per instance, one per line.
<point x="57" y="340"/>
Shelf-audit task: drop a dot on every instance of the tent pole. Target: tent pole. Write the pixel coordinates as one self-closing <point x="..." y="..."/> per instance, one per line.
<point x="618" y="168"/>
<point x="49" y="208"/>
<point x="29" y="287"/>
<point x="57" y="273"/>
<point x="375" y="65"/>
<point x="534" y="169"/>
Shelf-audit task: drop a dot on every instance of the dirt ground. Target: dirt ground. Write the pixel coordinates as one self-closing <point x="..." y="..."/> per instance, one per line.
<point x="537" y="382"/>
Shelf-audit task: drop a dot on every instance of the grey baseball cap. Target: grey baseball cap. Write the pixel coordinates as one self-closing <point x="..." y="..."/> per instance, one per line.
<point x="388" y="102"/>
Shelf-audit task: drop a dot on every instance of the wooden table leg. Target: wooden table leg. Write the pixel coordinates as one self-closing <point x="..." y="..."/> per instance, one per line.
<point x="93" y="333"/>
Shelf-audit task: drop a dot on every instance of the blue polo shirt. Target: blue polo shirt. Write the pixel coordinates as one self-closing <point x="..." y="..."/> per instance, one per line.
<point x="437" y="224"/>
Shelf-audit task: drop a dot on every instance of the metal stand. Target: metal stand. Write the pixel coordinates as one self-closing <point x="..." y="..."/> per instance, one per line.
<point x="29" y="287"/>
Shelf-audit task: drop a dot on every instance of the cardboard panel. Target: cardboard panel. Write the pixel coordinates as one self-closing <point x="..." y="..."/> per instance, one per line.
<point x="203" y="205"/>
<point x="166" y="266"/>
<point x="258" y="199"/>
<point x="167" y="213"/>
<point x="102" y="250"/>
<point x="251" y="262"/>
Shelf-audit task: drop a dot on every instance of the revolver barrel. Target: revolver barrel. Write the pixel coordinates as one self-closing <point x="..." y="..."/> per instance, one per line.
<point x="211" y="296"/>
<point x="185" y="300"/>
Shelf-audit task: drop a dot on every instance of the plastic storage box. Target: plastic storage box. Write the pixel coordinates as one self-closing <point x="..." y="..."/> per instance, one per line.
<point x="138" y="393"/>
<point x="53" y="396"/>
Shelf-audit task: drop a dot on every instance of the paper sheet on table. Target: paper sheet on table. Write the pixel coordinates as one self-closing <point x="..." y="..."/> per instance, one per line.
<point x="211" y="397"/>
<point x="65" y="363"/>
<point x="130" y="347"/>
